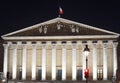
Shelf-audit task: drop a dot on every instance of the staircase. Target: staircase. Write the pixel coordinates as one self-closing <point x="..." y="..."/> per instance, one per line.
<point x="17" y="81"/>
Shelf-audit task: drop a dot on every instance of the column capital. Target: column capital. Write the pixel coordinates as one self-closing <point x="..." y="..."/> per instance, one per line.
<point x="89" y="42"/>
<point x="94" y="45"/>
<point x="28" y="43"/>
<point x="58" y="42"/>
<point x="104" y="45"/>
<point x="38" y="42"/>
<point x="14" y="46"/>
<point x="79" y="42"/>
<point x="34" y="45"/>
<point x="5" y="45"/>
<point x="9" y="42"/>
<point x="100" y="41"/>
<point x="115" y="44"/>
<point x="68" y="42"/>
<point x="48" y="42"/>
<point x="63" y="45"/>
<point x="74" y="45"/>
<point x="19" y="43"/>
<point x="53" y="46"/>
<point x="24" y="45"/>
<point x="43" y="45"/>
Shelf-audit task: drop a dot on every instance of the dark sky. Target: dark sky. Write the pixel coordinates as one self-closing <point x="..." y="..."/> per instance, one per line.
<point x="18" y="14"/>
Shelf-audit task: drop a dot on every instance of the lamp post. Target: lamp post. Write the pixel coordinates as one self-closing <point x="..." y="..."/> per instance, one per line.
<point x="86" y="53"/>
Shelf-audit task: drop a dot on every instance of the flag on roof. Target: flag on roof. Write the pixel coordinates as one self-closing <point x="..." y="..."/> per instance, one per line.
<point x="60" y="11"/>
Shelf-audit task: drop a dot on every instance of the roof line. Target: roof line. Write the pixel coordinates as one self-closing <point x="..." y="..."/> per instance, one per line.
<point x="91" y="27"/>
<point x="60" y="19"/>
<point x="31" y="27"/>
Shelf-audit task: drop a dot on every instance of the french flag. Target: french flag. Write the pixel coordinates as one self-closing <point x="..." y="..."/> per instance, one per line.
<point x="60" y="11"/>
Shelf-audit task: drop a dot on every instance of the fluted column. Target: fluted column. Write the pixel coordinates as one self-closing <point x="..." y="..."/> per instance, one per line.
<point x="24" y="54"/>
<point x="33" y="62"/>
<point x="5" y="60"/>
<point x="104" y="62"/>
<point x="83" y="63"/>
<point x="53" y="62"/>
<point x="43" y="62"/>
<point x="114" y="58"/>
<point x="14" y="65"/>
<point x="63" y="62"/>
<point x="73" y="61"/>
<point x="94" y="62"/>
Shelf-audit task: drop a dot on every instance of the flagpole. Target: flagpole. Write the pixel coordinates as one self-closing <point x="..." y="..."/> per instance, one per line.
<point x="59" y="15"/>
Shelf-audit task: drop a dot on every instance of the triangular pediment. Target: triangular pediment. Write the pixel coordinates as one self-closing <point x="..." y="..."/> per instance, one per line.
<point x="59" y="27"/>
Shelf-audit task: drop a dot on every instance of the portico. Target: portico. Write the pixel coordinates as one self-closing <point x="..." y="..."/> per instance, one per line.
<point x="59" y="56"/>
<point x="74" y="47"/>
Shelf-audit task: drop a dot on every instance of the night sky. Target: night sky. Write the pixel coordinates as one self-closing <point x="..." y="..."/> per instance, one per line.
<point x="18" y="14"/>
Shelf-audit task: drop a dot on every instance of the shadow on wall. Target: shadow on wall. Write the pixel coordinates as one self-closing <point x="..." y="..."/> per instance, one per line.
<point x="1" y="55"/>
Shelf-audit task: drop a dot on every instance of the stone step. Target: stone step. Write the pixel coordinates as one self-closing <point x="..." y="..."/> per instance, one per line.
<point x="12" y="81"/>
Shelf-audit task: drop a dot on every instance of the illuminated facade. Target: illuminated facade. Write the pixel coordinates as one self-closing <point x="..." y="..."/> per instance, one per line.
<point x="53" y="50"/>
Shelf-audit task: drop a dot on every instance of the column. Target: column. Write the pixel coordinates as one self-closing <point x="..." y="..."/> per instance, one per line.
<point x="73" y="61"/>
<point x="114" y="58"/>
<point x="53" y="62"/>
<point x="43" y="62"/>
<point x="33" y="62"/>
<point x="104" y="62"/>
<point x="63" y="62"/>
<point x="14" y="65"/>
<point x="5" y="60"/>
<point x="24" y="62"/>
<point x="94" y="62"/>
<point x="83" y="63"/>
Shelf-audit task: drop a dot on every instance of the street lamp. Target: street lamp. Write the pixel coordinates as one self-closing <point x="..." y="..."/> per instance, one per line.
<point x="86" y="53"/>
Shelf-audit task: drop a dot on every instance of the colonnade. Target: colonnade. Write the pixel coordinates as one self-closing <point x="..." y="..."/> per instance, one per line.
<point x="53" y="72"/>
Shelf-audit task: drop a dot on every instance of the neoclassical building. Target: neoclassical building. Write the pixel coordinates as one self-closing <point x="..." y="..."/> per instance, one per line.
<point x="54" y="50"/>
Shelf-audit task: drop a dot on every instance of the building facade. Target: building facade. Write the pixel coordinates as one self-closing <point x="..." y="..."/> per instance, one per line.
<point x="54" y="50"/>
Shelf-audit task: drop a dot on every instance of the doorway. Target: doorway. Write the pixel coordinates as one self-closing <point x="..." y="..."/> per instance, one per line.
<point x="59" y="74"/>
<point x="39" y="74"/>
<point x="79" y="74"/>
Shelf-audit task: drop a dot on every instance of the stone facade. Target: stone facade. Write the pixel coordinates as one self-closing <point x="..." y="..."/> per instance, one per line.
<point x="55" y="47"/>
